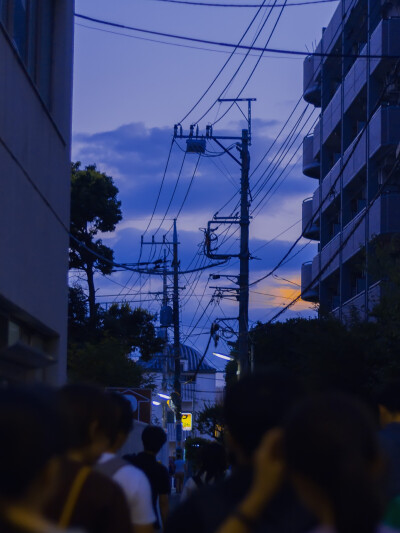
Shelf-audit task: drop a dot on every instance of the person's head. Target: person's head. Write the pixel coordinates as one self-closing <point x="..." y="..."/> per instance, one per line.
<point x="31" y="441"/>
<point x="90" y="419"/>
<point x="179" y="454"/>
<point x="253" y="406"/>
<point x="213" y="461"/>
<point x="153" y="438"/>
<point x="123" y="417"/>
<point x="389" y="403"/>
<point x="332" y="456"/>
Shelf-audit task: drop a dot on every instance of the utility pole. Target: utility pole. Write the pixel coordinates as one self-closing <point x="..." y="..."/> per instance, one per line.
<point x="165" y="348"/>
<point x="177" y="399"/>
<point x="197" y="144"/>
<point x="165" y="320"/>
<point x="243" y="340"/>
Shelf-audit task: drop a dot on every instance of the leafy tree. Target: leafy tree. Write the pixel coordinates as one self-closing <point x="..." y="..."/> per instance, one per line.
<point x="77" y="313"/>
<point x="134" y="328"/>
<point x="105" y="362"/>
<point x="94" y="208"/>
<point x="209" y="421"/>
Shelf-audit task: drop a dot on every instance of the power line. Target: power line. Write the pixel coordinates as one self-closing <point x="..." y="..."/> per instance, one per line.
<point x="189" y="187"/>
<point x="210" y="4"/>
<point x="160" y="189"/>
<point x="256" y="65"/>
<point x="232" y="45"/>
<point x="260" y="29"/>
<point x="222" y="68"/>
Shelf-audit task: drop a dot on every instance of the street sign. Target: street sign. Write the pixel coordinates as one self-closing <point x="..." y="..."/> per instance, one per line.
<point x="187" y="421"/>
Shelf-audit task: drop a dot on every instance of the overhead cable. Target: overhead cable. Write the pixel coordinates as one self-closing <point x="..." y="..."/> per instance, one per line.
<point x="232" y="45"/>
<point x="211" y="4"/>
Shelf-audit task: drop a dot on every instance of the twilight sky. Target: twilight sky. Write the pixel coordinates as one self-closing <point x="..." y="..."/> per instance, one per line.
<point x="128" y="94"/>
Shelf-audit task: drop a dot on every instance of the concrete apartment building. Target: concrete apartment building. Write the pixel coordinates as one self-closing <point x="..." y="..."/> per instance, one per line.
<point x="351" y="153"/>
<point x="36" y="48"/>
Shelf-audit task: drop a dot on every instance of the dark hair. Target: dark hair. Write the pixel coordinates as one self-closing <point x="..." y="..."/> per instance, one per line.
<point x="330" y="439"/>
<point x="153" y="438"/>
<point x="213" y="461"/>
<point x="31" y="433"/>
<point x="256" y="404"/>
<point x="83" y="405"/>
<point x="389" y="396"/>
<point x="123" y="414"/>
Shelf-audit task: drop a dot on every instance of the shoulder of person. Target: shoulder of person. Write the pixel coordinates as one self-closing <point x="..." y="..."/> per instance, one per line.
<point x="102" y="486"/>
<point x="131" y="475"/>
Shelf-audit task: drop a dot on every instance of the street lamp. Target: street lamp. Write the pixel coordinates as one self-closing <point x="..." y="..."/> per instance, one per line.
<point x="164" y="396"/>
<point x="156" y="403"/>
<point x="223" y="356"/>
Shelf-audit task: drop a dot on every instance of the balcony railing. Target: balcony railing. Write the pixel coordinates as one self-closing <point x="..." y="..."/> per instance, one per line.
<point x="384" y="131"/>
<point x="385" y="42"/>
<point x="311" y="166"/>
<point x="311" y="81"/>
<point x="308" y="294"/>
<point x="310" y="229"/>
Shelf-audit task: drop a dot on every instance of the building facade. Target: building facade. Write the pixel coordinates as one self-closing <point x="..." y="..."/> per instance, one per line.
<point x="36" y="52"/>
<point x="198" y="389"/>
<point x="352" y="153"/>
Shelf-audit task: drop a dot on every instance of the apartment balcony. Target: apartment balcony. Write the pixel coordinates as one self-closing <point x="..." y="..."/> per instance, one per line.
<point x="385" y="42"/>
<point x="354" y="234"/>
<point x="308" y="294"/>
<point x="356" y="304"/>
<point x="317" y="140"/>
<point x="310" y="230"/>
<point x="384" y="131"/>
<point x="311" y="81"/>
<point x="311" y="166"/>
<point x="330" y="188"/>
<point x="332" y="115"/>
<point x="355" y="158"/>
<point x="384" y="215"/>
<point x="332" y="31"/>
<point x="328" y="258"/>
<point x="355" y="80"/>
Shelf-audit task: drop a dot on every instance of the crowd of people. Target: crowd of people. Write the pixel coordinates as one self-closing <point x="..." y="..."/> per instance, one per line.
<point x="290" y="463"/>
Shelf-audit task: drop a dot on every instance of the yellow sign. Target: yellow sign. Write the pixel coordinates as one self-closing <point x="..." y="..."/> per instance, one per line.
<point x="187" y="421"/>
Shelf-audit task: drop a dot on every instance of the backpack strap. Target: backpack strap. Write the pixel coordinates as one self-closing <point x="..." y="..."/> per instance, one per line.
<point x="73" y="496"/>
<point x="110" y="467"/>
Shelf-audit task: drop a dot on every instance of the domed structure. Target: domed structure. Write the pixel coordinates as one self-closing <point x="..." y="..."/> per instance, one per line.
<point x="190" y="360"/>
<point x="198" y="389"/>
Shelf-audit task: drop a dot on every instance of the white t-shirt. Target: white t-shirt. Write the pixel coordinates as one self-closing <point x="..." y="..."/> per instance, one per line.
<point x="137" y="491"/>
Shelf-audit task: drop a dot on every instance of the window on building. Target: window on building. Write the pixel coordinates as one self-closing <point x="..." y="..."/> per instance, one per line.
<point x="44" y="44"/>
<point x="20" y="26"/>
<point x="30" y="26"/>
<point x="3" y="11"/>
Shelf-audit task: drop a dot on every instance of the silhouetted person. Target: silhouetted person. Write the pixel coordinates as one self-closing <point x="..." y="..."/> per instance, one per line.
<point x="389" y="417"/>
<point x="154" y="438"/>
<point x="180" y="471"/>
<point x="329" y="449"/>
<point x="213" y="464"/>
<point x="253" y="406"/>
<point x="31" y="441"/>
<point x="85" y="498"/>
<point x="133" y="481"/>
